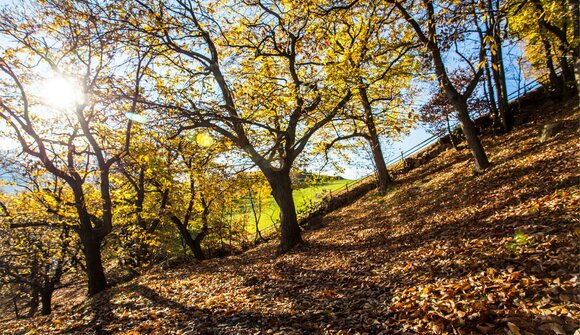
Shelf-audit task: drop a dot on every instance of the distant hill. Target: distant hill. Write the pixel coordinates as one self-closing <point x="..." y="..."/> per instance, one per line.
<point x="306" y="178"/>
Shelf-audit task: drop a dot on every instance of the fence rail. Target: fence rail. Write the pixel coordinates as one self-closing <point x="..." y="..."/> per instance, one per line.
<point x="271" y="229"/>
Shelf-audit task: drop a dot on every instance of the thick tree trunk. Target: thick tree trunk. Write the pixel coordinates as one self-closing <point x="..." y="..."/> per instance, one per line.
<point x="382" y="172"/>
<point x="470" y="132"/>
<point x="94" y="264"/>
<point x="281" y="185"/>
<point x="46" y="300"/>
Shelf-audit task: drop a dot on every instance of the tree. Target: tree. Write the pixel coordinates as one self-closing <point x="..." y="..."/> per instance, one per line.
<point x="436" y="30"/>
<point x="86" y="135"/>
<point x="495" y="14"/>
<point x="551" y="31"/>
<point x="373" y="54"/>
<point x="437" y="112"/>
<point x="36" y="244"/>
<point x="269" y="100"/>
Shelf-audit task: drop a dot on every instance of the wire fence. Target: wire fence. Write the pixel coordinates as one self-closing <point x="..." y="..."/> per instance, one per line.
<point x="372" y="177"/>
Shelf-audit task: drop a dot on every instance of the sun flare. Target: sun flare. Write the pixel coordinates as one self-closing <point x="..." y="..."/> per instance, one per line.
<point x="61" y="93"/>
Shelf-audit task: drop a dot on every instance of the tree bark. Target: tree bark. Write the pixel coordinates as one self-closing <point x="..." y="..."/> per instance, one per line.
<point x="505" y="117"/>
<point x="449" y="131"/>
<point x="492" y="102"/>
<point x="193" y="245"/>
<point x="573" y="6"/>
<point x="555" y="82"/>
<point x="373" y="138"/>
<point x="498" y="69"/>
<point x="46" y="300"/>
<point x="15" y="304"/>
<point x="33" y="303"/>
<point x="458" y="100"/>
<point x="257" y="215"/>
<point x="568" y="76"/>
<point x="382" y="172"/>
<point x="281" y="185"/>
<point x="470" y="132"/>
<point x="94" y="264"/>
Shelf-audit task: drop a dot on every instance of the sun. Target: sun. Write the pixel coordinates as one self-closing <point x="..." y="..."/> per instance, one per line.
<point x="61" y="93"/>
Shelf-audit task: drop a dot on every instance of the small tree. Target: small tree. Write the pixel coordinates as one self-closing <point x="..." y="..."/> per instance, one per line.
<point x="37" y="246"/>
<point x="437" y="114"/>
<point x="373" y="53"/>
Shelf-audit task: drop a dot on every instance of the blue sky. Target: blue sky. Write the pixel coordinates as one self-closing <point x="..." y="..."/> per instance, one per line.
<point x="363" y="164"/>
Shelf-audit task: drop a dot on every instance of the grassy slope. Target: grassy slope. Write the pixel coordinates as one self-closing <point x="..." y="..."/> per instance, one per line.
<point x="302" y="197"/>
<point x="438" y="254"/>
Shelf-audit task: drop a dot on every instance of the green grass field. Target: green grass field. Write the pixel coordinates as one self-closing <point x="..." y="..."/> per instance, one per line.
<point x="302" y="198"/>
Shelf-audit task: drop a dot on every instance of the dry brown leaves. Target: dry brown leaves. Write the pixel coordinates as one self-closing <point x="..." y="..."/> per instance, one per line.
<point x="447" y="252"/>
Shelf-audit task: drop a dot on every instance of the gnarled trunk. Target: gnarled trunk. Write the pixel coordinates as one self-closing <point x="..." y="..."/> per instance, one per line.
<point x="281" y="185"/>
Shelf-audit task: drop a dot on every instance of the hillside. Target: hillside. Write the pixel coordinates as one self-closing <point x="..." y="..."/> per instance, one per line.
<point x="445" y="251"/>
<point x="303" y="197"/>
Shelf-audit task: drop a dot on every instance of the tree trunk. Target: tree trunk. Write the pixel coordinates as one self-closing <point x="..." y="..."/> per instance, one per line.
<point x="94" y="264"/>
<point x="46" y="300"/>
<point x="470" y="132"/>
<point x="573" y="6"/>
<point x="555" y="82"/>
<point x="491" y="96"/>
<point x="282" y="192"/>
<point x="15" y="304"/>
<point x="567" y="75"/>
<point x="373" y="138"/>
<point x="505" y="116"/>
<point x="449" y="131"/>
<point x="257" y="212"/>
<point x="193" y="245"/>
<point x="459" y="102"/>
<point x="382" y="172"/>
<point x="33" y="303"/>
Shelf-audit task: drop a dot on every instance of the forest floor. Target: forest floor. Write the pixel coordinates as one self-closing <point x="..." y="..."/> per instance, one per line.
<point x="445" y="251"/>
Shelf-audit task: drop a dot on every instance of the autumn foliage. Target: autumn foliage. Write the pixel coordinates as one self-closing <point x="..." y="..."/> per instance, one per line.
<point x="153" y="152"/>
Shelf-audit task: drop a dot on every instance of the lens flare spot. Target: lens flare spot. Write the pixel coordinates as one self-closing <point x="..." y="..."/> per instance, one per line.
<point x="204" y="139"/>
<point x="137" y="117"/>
